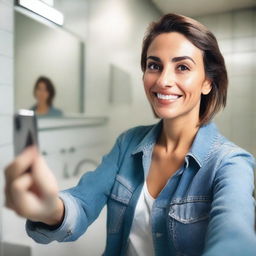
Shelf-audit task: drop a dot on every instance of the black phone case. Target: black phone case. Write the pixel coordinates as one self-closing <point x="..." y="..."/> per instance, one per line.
<point x="25" y="130"/>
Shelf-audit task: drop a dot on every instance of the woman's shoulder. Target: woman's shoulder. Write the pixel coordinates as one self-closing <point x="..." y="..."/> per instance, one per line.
<point x="210" y="147"/>
<point x="226" y="150"/>
<point x="55" y="111"/>
<point x="137" y="132"/>
<point x="138" y="136"/>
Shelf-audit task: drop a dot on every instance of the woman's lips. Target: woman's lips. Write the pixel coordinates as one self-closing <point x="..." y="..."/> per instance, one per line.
<point x="166" y="99"/>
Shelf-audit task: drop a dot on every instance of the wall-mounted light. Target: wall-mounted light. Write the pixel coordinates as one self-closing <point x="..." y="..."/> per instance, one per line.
<point x="43" y="10"/>
<point x="49" y="2"/>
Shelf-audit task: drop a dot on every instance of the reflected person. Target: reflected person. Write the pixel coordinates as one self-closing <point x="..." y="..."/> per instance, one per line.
<point x="44" y="93"/>
<point x="177" y="187"/>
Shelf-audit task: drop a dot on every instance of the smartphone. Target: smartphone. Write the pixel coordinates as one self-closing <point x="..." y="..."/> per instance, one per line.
<point x="25" y="130"/>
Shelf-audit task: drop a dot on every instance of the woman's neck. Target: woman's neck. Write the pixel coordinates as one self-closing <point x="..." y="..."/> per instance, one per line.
<point x="177" y="135"/>
<point x="42" y="108"/>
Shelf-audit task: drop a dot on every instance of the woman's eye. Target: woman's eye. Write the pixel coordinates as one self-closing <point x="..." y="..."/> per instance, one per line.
<point x="182" y="68"/>
<point x="153" y="66"/>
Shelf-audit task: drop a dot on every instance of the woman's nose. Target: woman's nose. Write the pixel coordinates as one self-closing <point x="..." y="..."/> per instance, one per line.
<point x="166" y="78"/>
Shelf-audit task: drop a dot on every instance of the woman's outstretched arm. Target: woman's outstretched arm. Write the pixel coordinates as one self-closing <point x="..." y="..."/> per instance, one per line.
<point x="82" y="203"/>
<point x="231" y="226"/>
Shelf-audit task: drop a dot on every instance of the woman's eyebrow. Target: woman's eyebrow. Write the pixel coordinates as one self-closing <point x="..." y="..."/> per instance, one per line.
<point x="175" y="59"/>
<point x="154" y="58"/>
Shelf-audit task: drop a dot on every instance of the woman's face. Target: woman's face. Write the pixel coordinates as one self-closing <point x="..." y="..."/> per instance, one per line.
<point x="174" y="78"/>
<point x="41" y="93"/>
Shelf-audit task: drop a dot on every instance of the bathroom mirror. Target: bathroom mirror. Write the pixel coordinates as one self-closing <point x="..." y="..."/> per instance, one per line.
<point x="45" y="49"/>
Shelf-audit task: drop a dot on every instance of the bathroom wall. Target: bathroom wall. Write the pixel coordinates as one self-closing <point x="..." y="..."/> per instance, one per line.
<point x="236" y="34"/>
<point x="6" y="93"/>
<point x="76" y="16"/>
<point x="115" y="32"/>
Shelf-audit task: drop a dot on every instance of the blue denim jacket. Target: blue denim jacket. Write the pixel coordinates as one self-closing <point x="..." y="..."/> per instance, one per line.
<point x="206" y="207"/>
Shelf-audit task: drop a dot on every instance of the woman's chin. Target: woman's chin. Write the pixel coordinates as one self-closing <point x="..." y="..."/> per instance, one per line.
<point x="165" y="114"/>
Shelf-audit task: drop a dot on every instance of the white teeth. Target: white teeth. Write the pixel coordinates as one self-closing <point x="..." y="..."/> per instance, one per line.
<point x="167" y="97"/>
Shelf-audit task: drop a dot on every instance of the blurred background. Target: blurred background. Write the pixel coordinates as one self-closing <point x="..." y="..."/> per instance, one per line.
<point x="91" y="51"/>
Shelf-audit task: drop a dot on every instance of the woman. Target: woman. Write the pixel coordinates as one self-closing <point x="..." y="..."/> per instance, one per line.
<point x="174" y="188"/>
<point x="44" y="93"/>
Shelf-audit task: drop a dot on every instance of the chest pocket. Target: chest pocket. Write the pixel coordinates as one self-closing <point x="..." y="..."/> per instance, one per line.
<point x="117" y="204"/>
<point x="187" y="222"/>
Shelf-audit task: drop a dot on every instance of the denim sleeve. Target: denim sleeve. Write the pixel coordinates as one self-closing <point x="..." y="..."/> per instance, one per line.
<point x="83" y="203"/>
<point x="231" y="226"/>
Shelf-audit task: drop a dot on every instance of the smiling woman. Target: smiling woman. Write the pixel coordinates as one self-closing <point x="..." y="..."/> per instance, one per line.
<point x="177" y="187"/>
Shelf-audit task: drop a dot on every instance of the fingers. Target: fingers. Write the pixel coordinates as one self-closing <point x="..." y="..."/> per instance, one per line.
<point x="21" y="164"/>
<point x="24" y="202"/>
<point x="30" y="194"/>
<point x="8" y="201"/>
<point x="16" y="189"/>
<point x="44" y="178"/>
<point x="18" y="167"/>
<point x="21" y="184"/>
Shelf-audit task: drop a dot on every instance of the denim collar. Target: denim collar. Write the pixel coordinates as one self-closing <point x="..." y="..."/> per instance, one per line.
<point x="201" y="146"/>
<point x="150" y="138"/>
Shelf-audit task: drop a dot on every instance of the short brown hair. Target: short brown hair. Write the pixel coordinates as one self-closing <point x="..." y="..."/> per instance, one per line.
<point x="214" y="64"/>
<point x="49" y="87"/>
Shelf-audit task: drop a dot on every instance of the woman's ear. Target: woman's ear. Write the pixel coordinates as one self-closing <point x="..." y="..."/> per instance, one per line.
<point x="207" y="86"/>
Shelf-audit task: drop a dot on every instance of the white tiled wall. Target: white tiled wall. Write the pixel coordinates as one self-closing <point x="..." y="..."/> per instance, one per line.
<point x="236" y="34"/>
<point x="6" y="92"/>
<point x="115" y="32"/>
<point x="6" y="17"/>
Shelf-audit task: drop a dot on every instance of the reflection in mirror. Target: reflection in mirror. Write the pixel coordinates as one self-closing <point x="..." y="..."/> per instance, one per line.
<point x="42" y="49"/>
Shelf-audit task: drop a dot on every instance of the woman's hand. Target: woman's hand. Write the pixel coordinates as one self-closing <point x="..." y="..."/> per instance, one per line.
<point x="31" y="189"/>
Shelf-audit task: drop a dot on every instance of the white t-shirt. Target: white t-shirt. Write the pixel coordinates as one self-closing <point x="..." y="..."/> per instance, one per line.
<point x="140" y="241"/>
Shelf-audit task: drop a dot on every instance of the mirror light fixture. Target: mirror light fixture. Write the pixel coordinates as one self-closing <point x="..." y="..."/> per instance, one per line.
<point x="49" y="2"/>
<point x="43" y="10"/>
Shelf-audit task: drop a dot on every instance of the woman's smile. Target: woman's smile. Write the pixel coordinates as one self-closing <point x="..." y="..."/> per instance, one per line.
<point x="166" y="99"/>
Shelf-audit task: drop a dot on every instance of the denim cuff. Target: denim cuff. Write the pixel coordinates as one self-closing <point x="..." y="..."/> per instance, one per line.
<point x="45" y="234"/>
